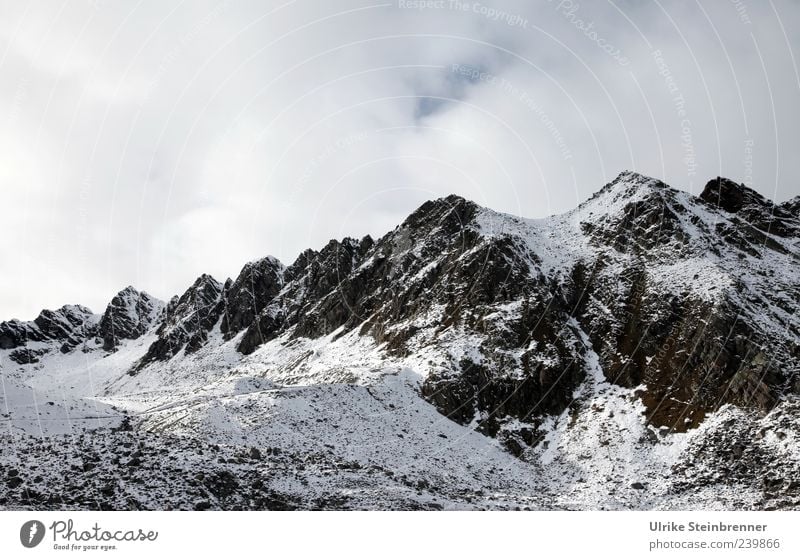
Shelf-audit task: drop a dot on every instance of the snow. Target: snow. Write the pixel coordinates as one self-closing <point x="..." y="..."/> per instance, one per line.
<point x="344" y="399"/>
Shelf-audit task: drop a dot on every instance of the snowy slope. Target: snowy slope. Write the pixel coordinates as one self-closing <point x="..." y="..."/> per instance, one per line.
<point x="605" y="358"/>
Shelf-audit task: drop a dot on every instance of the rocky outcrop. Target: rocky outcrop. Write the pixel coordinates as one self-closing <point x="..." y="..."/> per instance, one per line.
<point x="753" y="210"/>
<point x="657" y="287"/>
<point x="683" y="316"/>
<point x="16" y="333"/>
<point x="730" y="196"/>
<point x="63" y="329"/>
<point x="129" y="315"/>
<point x="438" y="261"/>
<point x="70" y="325"/>
<point x="187" y="321"/>
<point x="313" y="276"/>
<point x="692" y="301"/>
<point x="792" y="207"/>
<point x="257" y="284"/>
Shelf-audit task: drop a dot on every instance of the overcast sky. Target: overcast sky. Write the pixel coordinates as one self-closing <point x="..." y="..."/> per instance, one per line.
<point x="147" y="142"/>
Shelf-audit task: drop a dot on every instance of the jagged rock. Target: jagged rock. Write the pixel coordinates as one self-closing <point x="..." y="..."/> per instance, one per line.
<point x="730" y="196"/>
<point x="17" y="333"/>
<point x="257" y="284"/>
<point x="312" y="276"/>
<point x="65" y="328"/>
<point x="753" y="209"/>
<point x="686" y="343"/>
<point x="792" y="207"/>
<point x="187" y="321"/>
<point x="24" y="356"/>
<point x="683" y="305"/>
<point x="129" y="315"/>
<point x="63" y="323"/>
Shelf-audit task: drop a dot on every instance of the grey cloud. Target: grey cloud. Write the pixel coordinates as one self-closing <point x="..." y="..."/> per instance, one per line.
<point x="146" y="143"/>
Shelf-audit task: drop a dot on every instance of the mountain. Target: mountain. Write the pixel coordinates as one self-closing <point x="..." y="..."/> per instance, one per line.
<point x="640" y="351"/>
<point x="129" y="315"/>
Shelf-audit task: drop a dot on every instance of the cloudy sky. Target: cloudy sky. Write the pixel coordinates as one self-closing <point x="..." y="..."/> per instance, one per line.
<point x="145" y="142"/>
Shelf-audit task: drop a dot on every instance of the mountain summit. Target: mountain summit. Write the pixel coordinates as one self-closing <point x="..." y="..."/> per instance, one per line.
<point x="635" y="336"/>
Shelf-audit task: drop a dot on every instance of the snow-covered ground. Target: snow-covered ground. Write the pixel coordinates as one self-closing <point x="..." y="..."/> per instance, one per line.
<point x="356" y="431"/>
<point x="339" y="421"/>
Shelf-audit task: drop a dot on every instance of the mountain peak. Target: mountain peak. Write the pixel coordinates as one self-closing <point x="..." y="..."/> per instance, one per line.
<point x="259" y="282"/>
<point x="65" y="327"/>
<point x="749" y="206"/>
<point x="627" y="175"/>
<point x="451" y="212"/>
<point x="268" y="261"/>
<point x="206" y="281"/>
<point x="792" y="206"/>
<point x="730" y="196"/>
<point x="128" y="316"/>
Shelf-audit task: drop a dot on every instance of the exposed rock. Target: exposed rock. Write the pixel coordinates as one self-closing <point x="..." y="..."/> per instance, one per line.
<point x="689" y="303"/>
<point x="63" y="329"/>
<point x="187" y="321"/>
<point x="129" y="315"/>
<point x="313" y="275"/>
<point x="15" y="333"/>
<point x="257" y="284"/>
<point x="687" y="343"/>
<point x="792" y="207"/>
<point x="753" y="210"/>
<point x="730" y="196"/>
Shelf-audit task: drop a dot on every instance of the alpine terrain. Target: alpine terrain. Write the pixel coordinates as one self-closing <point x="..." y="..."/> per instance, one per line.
<point x="639" y="352"/>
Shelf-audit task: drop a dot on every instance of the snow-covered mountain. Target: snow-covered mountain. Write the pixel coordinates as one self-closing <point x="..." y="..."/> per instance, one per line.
<point x="640" y="351"/>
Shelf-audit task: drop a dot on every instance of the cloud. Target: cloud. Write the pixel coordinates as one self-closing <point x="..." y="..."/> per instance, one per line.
<point x="147" y="143"/>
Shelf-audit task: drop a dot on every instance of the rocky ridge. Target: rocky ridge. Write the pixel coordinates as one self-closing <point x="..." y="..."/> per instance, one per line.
<point x="682" y="306"/>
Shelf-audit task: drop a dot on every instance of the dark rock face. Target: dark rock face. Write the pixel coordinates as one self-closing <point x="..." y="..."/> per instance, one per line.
<point x="25" y="356"/>
<point x="70" y="325"/>
<point x="679" y="296"/>
<point x="741" y="453"/>
<point x="187" y="320"/>
<point x="15" y="333"/>
<point x="691" y="353"/>
<point x="730" y="196"/>
<point x="346" y="282"/>
<point x="753" y="209"/>
<point x="646" y="221"/>
<point x="65" y="328"/>
<point x="437" y="259"/>
<point x="314" y="275"/>
<point x="129" y="315"/>
<point x="792" y="207"/>
<point x="257" y="284"/>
